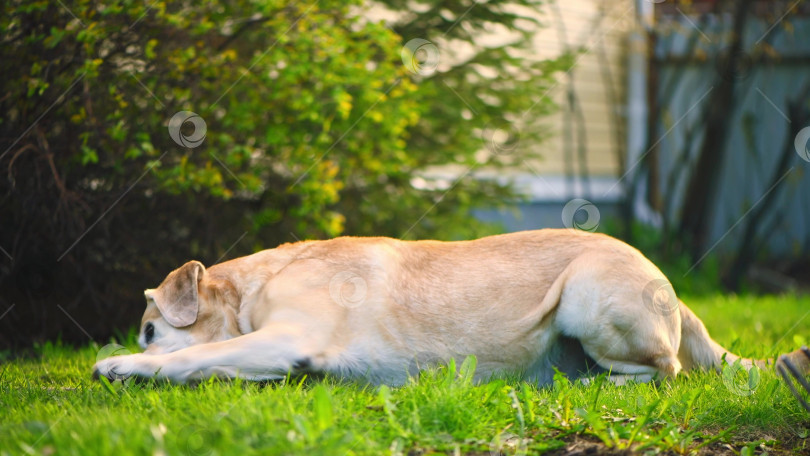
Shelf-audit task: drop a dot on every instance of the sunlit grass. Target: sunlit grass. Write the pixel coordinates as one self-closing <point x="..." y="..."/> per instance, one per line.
<point x="49" y="405"/>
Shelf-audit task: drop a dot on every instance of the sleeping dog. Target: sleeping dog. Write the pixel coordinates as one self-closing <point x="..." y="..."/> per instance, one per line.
<point x="375" y="308"/>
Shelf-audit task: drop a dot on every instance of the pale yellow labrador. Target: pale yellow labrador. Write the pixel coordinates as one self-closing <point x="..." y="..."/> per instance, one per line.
<point x="377" y="309"/>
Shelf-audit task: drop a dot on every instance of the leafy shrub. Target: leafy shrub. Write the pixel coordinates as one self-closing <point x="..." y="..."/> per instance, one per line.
<point x="308" y="125"/>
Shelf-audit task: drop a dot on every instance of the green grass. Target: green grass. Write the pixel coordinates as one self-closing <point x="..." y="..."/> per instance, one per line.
<point x="49" y="405"/>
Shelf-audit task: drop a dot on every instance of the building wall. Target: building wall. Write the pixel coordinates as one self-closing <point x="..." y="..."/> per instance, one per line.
<point x="591" y="119"/>
<point x="595" y="31"/>
<point x="777" y="70"/>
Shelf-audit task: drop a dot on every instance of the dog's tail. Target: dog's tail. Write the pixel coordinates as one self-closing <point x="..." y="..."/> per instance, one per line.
<point x="699" y="351"/>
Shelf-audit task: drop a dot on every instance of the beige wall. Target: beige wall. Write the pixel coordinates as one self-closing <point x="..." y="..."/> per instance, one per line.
<point x="598" y="29"/>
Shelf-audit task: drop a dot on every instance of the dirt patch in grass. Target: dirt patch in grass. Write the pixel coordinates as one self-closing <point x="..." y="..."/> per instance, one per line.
<point x="586" y="446"/>
<point x="578" y="445"/>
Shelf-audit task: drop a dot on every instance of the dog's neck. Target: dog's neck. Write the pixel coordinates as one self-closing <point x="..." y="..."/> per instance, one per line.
<point x="250" y="274"/>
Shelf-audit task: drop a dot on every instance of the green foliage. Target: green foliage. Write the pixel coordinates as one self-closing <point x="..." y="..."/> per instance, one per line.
<point x="308" y="108"/>
<point x="279" y="86"/>
<point x="313" y="127"/>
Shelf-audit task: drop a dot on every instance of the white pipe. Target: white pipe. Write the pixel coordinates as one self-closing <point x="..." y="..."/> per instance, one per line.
<point x="637" y="112"/>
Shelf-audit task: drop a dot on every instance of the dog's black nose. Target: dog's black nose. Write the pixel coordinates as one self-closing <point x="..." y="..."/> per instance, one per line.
<point x="302" y="364"/>
<point x="96" y="373"/>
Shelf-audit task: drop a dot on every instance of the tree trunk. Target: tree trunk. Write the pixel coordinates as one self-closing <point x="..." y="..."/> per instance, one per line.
<point x="702" y="187"/>
<point x="746" y="252"/>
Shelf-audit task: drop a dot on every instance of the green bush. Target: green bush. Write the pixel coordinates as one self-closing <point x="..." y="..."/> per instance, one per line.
<point x="309" y="125"/>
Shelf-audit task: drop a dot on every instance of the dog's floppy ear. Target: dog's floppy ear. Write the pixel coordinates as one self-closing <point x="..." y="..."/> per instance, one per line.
<point x="176" y="297"/>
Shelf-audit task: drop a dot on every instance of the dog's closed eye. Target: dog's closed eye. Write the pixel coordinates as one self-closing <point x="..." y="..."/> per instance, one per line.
<point x="149" y="332"/>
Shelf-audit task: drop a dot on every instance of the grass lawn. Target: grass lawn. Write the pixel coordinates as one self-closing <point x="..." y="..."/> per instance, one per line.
<point x="49" y="405"/>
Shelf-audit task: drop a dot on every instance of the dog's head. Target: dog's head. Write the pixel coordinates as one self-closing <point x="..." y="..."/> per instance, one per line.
<point x="191" y="306"/>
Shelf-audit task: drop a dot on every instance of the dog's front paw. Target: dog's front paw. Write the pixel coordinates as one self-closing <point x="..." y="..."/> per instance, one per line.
<point x="122" y="367"/>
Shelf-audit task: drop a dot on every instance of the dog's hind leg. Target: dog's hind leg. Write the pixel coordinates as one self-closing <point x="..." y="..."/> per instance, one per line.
<point x="267" y="354"/>
<point x="605" y="306"/>
<point x="632" y="350"/>
<point x="569" y="357"/>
